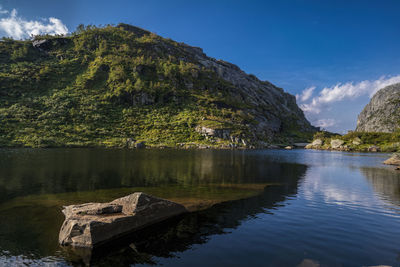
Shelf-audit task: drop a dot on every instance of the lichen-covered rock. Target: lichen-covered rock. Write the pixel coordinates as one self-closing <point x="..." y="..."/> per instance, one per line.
<point x="382" y="113"/>
<point x="336" y="143"/>
<point x="91" y="224"/>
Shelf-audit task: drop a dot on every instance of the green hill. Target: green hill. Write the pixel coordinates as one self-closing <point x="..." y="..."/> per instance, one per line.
<point x="112" y="86"/>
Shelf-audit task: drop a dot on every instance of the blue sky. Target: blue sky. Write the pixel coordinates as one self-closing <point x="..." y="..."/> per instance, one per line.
<point x="346" y="49"/>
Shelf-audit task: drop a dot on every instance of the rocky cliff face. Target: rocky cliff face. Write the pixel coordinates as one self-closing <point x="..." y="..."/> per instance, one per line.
<point x="273" y="109"/>
<point x="382" y="113"/>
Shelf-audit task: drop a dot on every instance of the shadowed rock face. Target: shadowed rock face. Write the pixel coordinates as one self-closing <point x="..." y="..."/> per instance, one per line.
<point x="382" y="114"/>
<point x="90" y="224"/>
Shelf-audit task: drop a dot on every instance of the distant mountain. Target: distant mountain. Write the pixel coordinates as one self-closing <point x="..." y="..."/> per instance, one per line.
<point x="382" y="113"/>
<point x="116" y="85"/>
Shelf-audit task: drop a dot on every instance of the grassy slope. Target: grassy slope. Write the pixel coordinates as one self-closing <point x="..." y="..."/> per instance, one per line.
<point x="104" y="85"/>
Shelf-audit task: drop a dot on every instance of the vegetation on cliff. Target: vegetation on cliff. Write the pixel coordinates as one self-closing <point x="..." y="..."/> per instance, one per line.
<point x="102" y="86"/>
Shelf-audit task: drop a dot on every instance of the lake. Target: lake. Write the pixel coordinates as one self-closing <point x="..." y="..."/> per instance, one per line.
<point x="250" y="208"/>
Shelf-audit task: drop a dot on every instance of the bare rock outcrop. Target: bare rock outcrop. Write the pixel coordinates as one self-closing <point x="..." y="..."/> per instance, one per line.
<point x="316" y="144"/>
<point x="91" y="224"/>
<point x="273" y="110"/>
<point x="336" y="143"/>
<point x="45" y="45"/>
<point x="382" y="113"/>
<point x="208" y="131"/>
<point x="394" y="160"/>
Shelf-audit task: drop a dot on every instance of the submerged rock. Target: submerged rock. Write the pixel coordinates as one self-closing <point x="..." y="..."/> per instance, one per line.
<point x="91" y="224"/>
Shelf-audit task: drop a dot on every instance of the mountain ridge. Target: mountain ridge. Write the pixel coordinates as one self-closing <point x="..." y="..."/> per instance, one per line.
<point x="103" y="86"/>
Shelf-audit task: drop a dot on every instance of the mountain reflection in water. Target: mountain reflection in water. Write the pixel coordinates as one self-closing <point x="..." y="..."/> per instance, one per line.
<point x="318" y="208"/>
<point x="386" y="182"/>
<point x="35" y="184"/>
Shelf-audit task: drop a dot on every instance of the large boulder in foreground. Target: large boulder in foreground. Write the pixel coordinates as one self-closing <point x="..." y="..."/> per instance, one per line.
<point x="91" y="224"/>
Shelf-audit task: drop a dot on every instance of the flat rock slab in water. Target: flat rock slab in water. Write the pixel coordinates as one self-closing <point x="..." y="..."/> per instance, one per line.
<point x="91" y="224"/>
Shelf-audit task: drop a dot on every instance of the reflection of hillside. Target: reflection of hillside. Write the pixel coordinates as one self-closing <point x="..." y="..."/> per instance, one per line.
<point x="32" y="228"/>
<point x="386" y="182"/>
<point x="181" y="234"/>
<point x="26" y="172"/>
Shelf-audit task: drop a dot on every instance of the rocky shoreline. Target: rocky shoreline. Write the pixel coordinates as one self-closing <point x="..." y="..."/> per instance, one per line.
<point x="354" y="145"/>
<point x="133" y="144"/>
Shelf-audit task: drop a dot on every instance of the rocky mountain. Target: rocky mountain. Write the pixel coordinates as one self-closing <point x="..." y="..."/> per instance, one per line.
<point x="382" y="113"/>
<point x="117" y="85"/>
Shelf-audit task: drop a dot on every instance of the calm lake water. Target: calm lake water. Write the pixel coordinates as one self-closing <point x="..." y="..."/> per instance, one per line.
<point x="282" y="208"/>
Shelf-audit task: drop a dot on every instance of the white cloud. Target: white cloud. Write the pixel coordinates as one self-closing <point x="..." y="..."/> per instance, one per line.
<point x="336" y="108"/>
<point x="325" y="123"/>
<point x="18" y="28"/>
<point x="2" y="11"/>
<point x="321" y="186"/>
<point x="306" y="94"/>
<point x="346" y="91"/>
